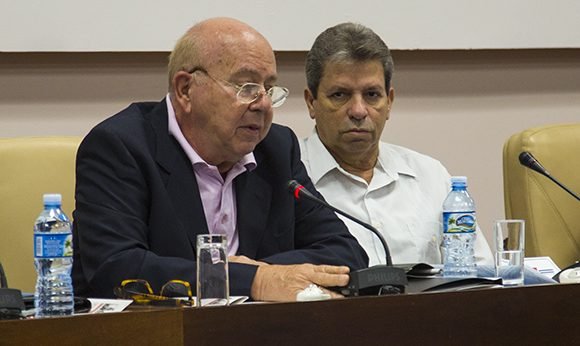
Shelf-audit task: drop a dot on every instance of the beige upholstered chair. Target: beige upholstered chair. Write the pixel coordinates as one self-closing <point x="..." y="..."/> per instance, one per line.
<point x="30" y="167"/>
<point x="552" y="215"/>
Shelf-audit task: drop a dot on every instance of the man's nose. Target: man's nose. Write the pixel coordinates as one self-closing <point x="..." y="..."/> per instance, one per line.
<point x="357" y="108"/>
<point x="263" y="101"/>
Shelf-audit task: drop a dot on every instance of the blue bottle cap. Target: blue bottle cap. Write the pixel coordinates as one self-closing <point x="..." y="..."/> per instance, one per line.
<point x="459" y="180"/>
<point x="52" y="198"/>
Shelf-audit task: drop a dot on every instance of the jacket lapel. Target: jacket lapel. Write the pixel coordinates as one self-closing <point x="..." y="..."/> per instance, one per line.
<point x="253" y="197"/>
<point x="179" y="178"/>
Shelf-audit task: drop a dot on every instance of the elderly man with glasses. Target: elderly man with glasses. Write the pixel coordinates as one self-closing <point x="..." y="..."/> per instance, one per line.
<point x="206" y="159"/>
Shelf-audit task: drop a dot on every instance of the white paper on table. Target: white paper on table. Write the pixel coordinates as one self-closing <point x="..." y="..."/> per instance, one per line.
<point x="544" y="265"/>
<point x="117" y="305"/>
<point x="220" y="302"/>
<point x="108" y="305"/>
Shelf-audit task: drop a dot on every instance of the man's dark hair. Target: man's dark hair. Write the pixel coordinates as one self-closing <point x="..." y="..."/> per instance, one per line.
<point x="346" y="42"/>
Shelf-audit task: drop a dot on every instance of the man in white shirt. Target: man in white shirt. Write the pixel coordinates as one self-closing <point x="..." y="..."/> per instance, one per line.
<point x="397" y="190"/>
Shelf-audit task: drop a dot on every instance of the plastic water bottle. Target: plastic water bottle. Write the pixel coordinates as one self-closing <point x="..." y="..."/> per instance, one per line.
<point x="53" y="260"/>
<point x="459" y="225"/>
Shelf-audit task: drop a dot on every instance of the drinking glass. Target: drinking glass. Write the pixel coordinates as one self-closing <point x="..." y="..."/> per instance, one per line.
<point x="509" y="251"/>
<point x="212" y="270"/>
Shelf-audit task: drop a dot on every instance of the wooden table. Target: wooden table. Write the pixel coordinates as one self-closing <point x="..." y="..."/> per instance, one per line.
<point x="541" y="315"/>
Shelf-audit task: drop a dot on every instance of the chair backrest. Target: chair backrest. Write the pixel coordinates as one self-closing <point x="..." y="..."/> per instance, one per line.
<point x="552" y="215"/>
<point x="30" y="167"/>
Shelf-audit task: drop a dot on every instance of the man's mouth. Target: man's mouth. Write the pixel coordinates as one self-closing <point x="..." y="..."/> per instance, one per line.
<point x="252" y="127"/>
<point x="357" y="131"/>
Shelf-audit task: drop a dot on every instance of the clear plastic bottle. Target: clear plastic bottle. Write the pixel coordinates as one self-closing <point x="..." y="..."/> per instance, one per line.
<point x="53" y="260"/>
<point x="459" y="224"/>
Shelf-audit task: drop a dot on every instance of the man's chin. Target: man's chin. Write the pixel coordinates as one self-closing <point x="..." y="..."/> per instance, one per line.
<point x="359" y="146"/>
<point x="246" y="147"/>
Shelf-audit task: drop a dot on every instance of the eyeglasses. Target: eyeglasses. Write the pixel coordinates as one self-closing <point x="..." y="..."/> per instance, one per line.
<point x="173" y="293"/>
<point x="250" y="92"/>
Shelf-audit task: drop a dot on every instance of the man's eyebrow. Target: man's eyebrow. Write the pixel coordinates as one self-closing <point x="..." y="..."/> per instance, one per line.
<point x="376" y="86"/>
<point x="336" y="87"/>
<point x="339" y="86"/>
<point x="247" y="72"/>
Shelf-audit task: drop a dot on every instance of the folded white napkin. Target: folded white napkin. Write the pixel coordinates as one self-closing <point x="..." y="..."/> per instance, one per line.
<point x="310" y="293"/>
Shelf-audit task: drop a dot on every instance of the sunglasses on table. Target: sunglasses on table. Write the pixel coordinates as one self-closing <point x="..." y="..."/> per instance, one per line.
<point x="173" y="293"/>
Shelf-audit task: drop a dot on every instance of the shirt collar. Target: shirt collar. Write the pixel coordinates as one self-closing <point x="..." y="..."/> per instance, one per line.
<point x="319" y="158"/>
<point x="392" y="162"/>
<point x="248" y="161"/>
<point x="321" y="162"/>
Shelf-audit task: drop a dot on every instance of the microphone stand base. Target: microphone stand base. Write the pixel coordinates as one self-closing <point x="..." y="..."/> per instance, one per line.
<point x="376" y="280"/>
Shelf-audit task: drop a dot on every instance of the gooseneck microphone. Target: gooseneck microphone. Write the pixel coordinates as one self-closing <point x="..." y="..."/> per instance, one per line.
<point x="528" y="160"/>
<point x="376" y="280"/>
<point x="300" y="191"/>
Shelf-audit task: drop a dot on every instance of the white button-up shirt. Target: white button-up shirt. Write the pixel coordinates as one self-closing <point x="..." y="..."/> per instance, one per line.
<point x="403" y="201"/>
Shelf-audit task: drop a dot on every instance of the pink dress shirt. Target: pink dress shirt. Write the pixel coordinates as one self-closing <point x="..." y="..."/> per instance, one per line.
<point x="217" y="194"/>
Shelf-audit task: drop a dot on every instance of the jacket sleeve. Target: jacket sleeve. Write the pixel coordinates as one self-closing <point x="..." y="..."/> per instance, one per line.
<point x="115" y="235"/>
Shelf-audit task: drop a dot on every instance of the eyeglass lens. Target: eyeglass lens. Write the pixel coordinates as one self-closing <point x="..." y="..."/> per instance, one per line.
<point x="250" y="92"/>
<point x="138" y="286"/>
<point x="176" y="289"/>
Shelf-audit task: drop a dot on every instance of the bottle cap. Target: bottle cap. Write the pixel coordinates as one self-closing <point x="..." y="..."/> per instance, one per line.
<point x="459" y="180"/>
<point x="52" y="198"/>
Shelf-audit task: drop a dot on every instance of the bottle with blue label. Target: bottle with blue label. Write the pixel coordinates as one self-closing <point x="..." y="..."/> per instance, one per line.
<point x="459" y="224"/>
<point x="53" y="260"/>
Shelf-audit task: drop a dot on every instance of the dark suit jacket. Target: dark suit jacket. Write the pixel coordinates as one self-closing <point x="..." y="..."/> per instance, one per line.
<point x="138" y="208"/>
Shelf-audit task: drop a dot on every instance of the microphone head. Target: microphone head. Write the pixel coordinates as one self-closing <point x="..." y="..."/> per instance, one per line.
<point x="293" y="185"/>
<point x="296" y="188"/>
<point x="528" y="160"/>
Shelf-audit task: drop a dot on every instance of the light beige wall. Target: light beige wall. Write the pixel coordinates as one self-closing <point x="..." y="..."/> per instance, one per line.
<point x="458" y="106"/>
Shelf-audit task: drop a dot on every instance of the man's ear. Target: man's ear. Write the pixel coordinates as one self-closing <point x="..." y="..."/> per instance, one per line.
<point x="390" y="100"/>
<point x="309" y="99"/>
<point x="181" y="84"/>
<point x="391" y="97"/>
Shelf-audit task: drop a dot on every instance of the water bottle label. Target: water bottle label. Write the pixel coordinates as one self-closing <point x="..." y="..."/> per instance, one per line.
<point x="463" y="222"/>
<point x="53" y="245"/>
